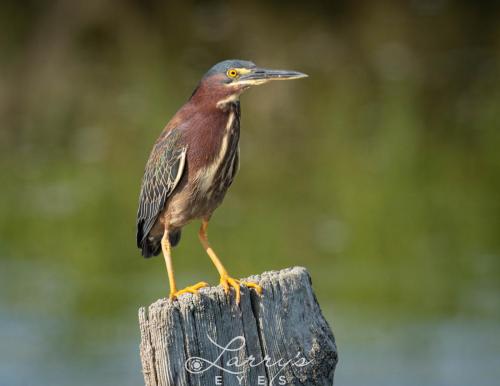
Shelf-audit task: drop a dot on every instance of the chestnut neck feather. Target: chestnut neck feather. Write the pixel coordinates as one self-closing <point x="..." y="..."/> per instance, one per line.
<point x="213" y="89"/>
<point x="205" y="121"/>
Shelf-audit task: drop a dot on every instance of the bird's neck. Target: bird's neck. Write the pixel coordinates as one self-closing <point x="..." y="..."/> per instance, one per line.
<point x="215" y="96"/>
<point x="228" y="102"/>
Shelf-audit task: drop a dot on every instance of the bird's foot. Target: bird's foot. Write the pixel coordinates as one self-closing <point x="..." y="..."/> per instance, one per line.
<point x="227" y="282"/>
<point x="193" y="289"/>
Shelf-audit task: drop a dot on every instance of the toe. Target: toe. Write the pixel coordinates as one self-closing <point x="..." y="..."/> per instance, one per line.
<point x="224" y="283"/>
<point x="228" y="282"/>
<point x="255" y="286"/>
<point x="236" y="285"/>
<point x="237" y="290"/>
<point x="199" y="285"/>
<point x="191" y="289"/>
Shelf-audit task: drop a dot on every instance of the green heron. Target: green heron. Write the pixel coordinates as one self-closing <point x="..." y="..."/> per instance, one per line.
<point x="194" y="162"/>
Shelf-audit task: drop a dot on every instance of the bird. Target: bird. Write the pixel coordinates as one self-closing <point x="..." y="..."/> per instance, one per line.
<point x="193" y="163"/>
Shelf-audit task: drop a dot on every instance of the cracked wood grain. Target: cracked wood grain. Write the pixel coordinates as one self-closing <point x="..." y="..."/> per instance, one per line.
<point x="280" y="338"/>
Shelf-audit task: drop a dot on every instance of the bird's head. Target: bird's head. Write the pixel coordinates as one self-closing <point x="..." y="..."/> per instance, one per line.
<point x="228" y="79"/>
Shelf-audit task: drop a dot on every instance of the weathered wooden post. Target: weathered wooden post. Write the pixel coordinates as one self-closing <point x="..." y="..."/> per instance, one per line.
<point x="280" y="338"/>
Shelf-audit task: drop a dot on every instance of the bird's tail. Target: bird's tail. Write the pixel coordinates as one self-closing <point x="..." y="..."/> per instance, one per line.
<point x="151" y="245"/>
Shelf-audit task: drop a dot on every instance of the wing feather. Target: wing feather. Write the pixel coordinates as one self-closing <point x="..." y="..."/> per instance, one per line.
<point x="163" y="172"/>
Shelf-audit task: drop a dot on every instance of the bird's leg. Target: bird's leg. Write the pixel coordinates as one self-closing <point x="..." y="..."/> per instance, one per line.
<point x="225" y="280"/>
<point x="165" y="245"/>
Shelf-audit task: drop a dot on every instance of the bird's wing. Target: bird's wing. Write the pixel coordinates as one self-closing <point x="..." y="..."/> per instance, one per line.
<point x="162" y="174"/>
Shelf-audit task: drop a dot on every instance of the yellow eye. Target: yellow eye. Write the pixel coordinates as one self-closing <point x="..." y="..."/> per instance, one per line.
<point x="232" y="73"/>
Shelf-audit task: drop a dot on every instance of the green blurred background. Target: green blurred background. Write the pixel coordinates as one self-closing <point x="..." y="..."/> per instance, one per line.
<point x="380" y="173"/>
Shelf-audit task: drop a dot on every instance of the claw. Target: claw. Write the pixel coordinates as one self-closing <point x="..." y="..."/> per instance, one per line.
<point x="227" y="282"/>
<point x="193" y="289"/>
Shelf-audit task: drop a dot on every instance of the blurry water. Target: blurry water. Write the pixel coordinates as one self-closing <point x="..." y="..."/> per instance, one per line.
<point x="45" y="343"/>
<point x="398" y="350"/>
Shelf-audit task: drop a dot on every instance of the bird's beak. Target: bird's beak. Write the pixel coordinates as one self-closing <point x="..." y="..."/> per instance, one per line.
<point x="256" y="76"/>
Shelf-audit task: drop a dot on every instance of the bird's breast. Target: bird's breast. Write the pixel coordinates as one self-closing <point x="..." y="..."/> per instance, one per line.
<point x="209" y="178"/>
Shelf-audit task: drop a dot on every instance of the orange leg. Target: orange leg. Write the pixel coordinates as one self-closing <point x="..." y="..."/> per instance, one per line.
<point x="225" y="280"/>
<point x="165" y="245"/>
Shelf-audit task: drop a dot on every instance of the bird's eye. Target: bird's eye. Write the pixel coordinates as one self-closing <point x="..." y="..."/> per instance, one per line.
<point x="232" y="73"/>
